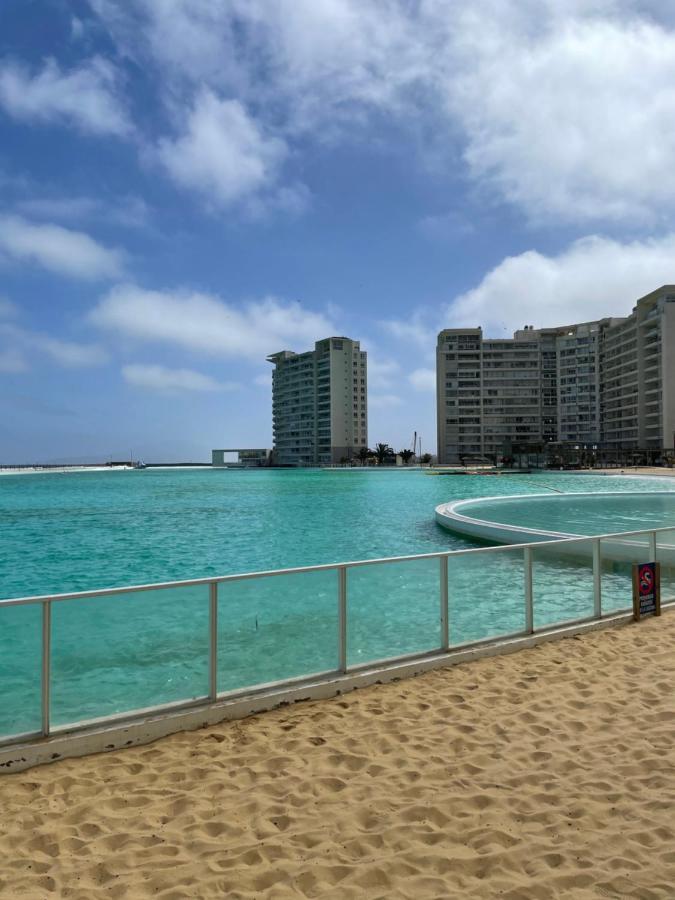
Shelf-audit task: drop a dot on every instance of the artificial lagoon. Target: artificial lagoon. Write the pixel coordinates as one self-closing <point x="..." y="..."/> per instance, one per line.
<point x="117" y="653"/>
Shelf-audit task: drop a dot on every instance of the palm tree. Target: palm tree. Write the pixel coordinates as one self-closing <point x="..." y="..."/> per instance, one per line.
<point x="382" y="452"/>
<point x="364" y="455"/>
<point x="406" y="456"/>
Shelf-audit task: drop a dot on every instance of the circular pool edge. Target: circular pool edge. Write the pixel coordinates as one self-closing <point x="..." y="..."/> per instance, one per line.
<point x="451" y="517"/>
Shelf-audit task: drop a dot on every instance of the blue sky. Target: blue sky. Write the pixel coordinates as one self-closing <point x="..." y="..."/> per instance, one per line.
<point x="189" y="185"/>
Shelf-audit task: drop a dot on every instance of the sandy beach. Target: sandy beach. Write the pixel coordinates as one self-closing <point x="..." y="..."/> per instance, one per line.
<point x="546" y="773"/>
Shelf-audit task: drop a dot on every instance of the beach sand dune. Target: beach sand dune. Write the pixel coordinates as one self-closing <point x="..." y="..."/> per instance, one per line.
<point x="544" y="774"/>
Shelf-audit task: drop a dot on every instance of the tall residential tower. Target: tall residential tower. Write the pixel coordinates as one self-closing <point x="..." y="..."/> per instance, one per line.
<point x="609" y="383"/>
<point x="319" y="403"/>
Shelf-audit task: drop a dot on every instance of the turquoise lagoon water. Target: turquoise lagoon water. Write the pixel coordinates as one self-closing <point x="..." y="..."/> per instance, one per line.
<point x="81" y="531"/>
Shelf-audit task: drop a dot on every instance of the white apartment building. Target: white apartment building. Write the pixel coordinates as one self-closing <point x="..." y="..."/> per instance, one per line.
<point x="637" y="377"/>
<point x="609" y="383"/>
<point x="320" y="403"/>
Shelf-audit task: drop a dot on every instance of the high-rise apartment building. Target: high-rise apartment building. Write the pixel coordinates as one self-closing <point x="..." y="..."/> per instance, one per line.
<point x="637" y="375"/>
<point x="320" y="403"/>
<point x="609" y="383"/>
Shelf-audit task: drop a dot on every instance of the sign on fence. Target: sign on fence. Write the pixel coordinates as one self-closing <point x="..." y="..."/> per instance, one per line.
<point x="646" y="590"/>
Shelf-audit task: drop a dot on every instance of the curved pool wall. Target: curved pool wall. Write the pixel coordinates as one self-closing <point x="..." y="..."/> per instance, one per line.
<point x="592" y="512"/>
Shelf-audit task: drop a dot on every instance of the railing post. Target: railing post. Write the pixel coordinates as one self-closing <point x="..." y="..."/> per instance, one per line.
<point x="529" y="602"/>
<point x="652" y="547"/>
<point x="213" y="640"/>
<point x="46" y="664"/>
<point x="342" y="619"/>
<point x="445" y="619"/>
<point x="597" y="579"/>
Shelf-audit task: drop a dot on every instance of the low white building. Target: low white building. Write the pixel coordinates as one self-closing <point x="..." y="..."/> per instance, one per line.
<point x="244" y="458"/>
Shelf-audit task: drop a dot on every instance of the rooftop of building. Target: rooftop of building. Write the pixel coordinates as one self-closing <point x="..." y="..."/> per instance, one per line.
<point x="283" y="355"/>
<point x="666" y="291"/>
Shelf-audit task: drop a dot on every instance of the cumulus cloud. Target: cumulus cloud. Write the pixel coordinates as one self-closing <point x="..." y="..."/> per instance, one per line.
<point x="204" y="323"/>
<point x="86" y="97"/>
<point x="185" y="37"/>
<point x="563" y="110"/>
<point x="310" y="59"/>
<point x="58" y="249"/>
<point x="594" y="277"/>
<point x="159" y="378"/>
<point x="223" y="153"/>
<point x="556" y="120"/>
<point x="423" y="379"/>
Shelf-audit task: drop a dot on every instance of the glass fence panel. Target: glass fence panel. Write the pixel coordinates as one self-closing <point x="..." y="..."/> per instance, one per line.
<point x="278" y="627"/>
<point x="20" y="669"/>
<point x="665" y="554"/>
<point x="562" y="583"/>
<point x="125" y="652"/>
<point x="486" y="595"/>
<point x="393" y="609"/>
<point x="618" y="557"/>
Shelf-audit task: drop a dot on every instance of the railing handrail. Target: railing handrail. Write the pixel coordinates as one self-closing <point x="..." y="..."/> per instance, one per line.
<point x="321" y="567"/>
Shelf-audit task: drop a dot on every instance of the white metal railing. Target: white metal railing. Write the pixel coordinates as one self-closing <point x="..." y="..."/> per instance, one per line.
<point x="565" y="547"/>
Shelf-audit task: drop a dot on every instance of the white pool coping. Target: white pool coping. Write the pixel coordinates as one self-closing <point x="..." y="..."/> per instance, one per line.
<point x="452" y="516"/>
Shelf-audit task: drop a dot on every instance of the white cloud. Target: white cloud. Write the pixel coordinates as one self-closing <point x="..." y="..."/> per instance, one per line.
<point x="204" y="323"/>
<point x="264" y="380"/>
<point x="593" y="278"/>
<point x="24" y="346"/>
<point x="86" y="97"/>
<point x="188" y="38"/>
<point x="417" y="329"/>
<point x="76" y="28"/>
<point x="310" y="59"/>
<point x="564" y="109"/>
<point x="126" y="211"/>
<point x="423" y="379"/>
<point x="58" y="249"/>
<point x="223" y="153"/>
<point x="70" y="353"/>
<point x="159" y="378"/>
<point x="557" y="114"/>
<point x="383" y="401"/>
